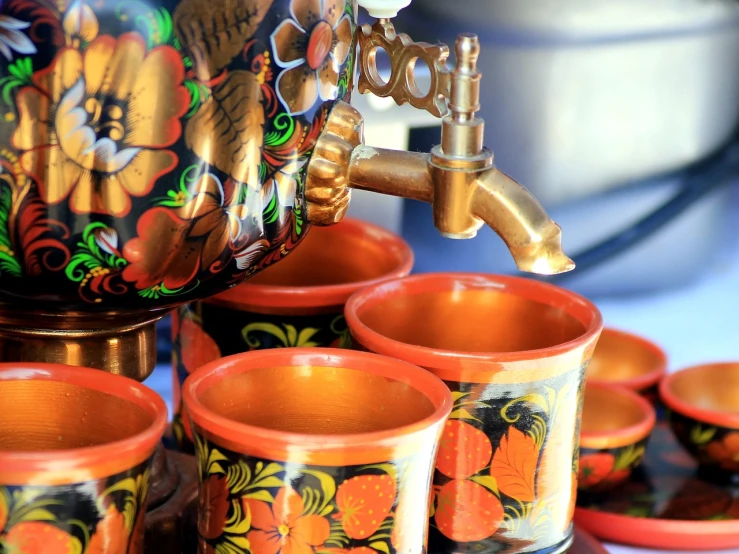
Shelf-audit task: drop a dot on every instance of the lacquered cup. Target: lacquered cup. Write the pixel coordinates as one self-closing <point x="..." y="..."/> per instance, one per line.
<point x="616" y="424"/>
<point x="298" y="302"/>
<point x="314" y="450"/>
<point x="703" y="404"/>
<point x="514" y="353"/>
<point x="629" y="361"/>
<point x="76" y="447"/>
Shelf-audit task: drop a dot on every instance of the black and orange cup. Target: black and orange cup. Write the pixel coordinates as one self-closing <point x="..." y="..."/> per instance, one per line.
<point x="76" y="447"/>
<point x="629" y="361"/>
<point x="514" y="353"/>
<point x="298" y="302"/>
<point x="616" y="424"/>
<point x="314" y="449"/>
<point x="703" y="411"/>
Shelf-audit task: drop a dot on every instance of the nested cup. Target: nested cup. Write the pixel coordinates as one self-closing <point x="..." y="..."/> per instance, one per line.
<point x="298" y="302"/>
<point x="513" y="352"/>
<point x="76" y="447"/>
<point x="309" y="450"/>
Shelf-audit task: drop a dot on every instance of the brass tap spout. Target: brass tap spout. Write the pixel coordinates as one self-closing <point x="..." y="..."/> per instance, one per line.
<point x="458" y="178"/>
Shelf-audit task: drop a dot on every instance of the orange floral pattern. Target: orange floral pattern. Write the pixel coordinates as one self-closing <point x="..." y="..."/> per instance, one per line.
<point x="499" y="467"/>
<point x="39" y="538"/>
<point x="363" y="503"/>
<point x="101" y="517"/>
<point x="266" y="507"/>
<point x="97" y="126"/>
<point x="282" y="528"/>
<point x="725" y="451"/>
<point x="463" y="451"/>
<point x="514" y="465"/>
<point x="110" y="107"/>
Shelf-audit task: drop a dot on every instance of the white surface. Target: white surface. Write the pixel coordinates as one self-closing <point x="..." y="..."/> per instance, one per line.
<point x="384" y="8"/>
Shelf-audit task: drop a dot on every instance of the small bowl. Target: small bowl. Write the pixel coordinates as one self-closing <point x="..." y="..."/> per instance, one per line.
<point x="629" y="361"/>
<point x="703" y="403"/>
<point x="616" y="423"/>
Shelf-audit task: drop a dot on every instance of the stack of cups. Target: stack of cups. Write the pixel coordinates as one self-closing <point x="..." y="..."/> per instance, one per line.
<point x="447" y="421"/>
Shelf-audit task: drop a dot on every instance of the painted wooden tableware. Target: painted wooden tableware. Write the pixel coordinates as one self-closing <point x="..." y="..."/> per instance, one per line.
<point x="76" y="447"/>
<point x="314" y="450"/>
<point x="703" y="403"/>
<point x="666" y="503"/>
<point x="298" y="302"/>
<point x="628" y="360"/>
<point x="616" y="424"/>
<point x="514" y="354"/>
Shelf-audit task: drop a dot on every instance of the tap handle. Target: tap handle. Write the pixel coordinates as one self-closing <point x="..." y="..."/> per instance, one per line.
<point x="464" y="96"/>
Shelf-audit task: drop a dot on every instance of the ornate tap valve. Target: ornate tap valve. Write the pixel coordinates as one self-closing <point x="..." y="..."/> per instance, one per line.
<point x="457" y="177"/>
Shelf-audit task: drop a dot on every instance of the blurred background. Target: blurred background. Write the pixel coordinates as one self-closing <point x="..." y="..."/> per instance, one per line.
<point x="621" y="117"/>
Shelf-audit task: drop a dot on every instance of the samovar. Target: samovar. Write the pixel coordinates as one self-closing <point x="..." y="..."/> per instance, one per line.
<point x="154" y="152"/>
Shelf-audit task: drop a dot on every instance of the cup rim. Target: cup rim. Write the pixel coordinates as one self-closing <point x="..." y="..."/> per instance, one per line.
<point x="623" y="436"/>
<point x="271" y="296"/>
<point x="645" y="380"/>
<point x="246" y="436"/>
<point x="88" y="462"/>
<point x="572" y="303"/>
<point x="727" y="420"/>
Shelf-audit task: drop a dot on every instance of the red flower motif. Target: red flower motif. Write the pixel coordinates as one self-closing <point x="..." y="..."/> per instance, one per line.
<point x="726" y="451"/>
<point x="364" y="502"/>
<point x="282" y="527"/>
<point x="598" y="470"/>
<point x="34" y="537"/>
<point x="213" y="506"/>
<point x="174" y="245"/>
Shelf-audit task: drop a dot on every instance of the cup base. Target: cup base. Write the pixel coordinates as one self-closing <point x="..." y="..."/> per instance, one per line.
<point x="495" y="547"/>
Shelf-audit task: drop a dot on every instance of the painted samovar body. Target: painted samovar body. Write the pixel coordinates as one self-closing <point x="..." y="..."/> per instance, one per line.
<point x="157" y="152"/>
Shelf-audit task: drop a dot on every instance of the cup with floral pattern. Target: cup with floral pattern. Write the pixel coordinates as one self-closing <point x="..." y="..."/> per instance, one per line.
<point x="703" y="404"/>
<point x="513" y="352"/>
<point x="314" y="451"/>
<point x="296" y="303"/>
<point x="76" y="447"/>
<point x="616" y="424"/>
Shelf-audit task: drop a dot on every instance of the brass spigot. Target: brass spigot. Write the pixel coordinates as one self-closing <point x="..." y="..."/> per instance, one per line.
<point x="458" y="177"/>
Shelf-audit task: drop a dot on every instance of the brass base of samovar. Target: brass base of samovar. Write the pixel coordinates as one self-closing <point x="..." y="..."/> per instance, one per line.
<point x="126" y="346"/>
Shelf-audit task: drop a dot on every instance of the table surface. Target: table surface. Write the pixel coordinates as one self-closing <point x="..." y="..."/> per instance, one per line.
<point x="695" y="324"/>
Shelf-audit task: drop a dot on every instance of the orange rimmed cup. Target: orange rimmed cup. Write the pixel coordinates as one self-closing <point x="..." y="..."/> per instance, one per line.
<point x="76" y="446"/>
<point x="616" y="424"/>
<point x="513" y="352"/>
<point x="298" y="302"/>
<point x="313" y="449"/>
<point x="630" y="361"/>
<point x="703" y="410"/>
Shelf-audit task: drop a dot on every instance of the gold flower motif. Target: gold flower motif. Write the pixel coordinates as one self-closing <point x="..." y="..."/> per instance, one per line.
<point x="311" y="47"/>
<point x="95" y="127"/>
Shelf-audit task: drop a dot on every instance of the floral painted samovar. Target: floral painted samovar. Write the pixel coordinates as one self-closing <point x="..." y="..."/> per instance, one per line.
<point x="154" y="152"/>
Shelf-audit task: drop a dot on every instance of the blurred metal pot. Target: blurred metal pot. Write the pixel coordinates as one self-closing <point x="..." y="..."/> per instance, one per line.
<point x="581" y="96"/>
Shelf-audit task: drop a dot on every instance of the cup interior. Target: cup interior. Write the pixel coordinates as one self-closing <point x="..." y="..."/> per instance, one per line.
<point x="47" y="415"/>
<point x="348" y="252"/>
<point x="607" y="410"/>
<point x="315" y="400"/>
<point x="623" y="358"/>
<point x="469" y="319"/>
<point x="709" y="388"/>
